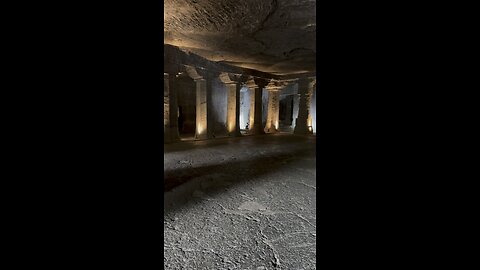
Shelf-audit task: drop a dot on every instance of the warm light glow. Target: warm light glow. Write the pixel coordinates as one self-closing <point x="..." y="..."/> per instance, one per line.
<point x="231" y="104"/>
<point x="231" y="127"/>
<point x="200" y="129"/>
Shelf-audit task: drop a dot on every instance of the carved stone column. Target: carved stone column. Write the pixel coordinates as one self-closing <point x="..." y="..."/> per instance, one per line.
<point x="170" y="117"/>
<point x="257" y="124"/>
<point x="201" y="126"/>
<point x="313" y="107"/>
<point x="251" y="88"/>
<point x="288" y="110"/>
<point x="233" y="102"/>
<point x="303" y="124"/>
<point x="273" y="108"/>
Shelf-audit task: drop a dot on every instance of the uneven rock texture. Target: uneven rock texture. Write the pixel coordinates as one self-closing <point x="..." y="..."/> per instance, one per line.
<point x="249" y="203"/>
<point x="274" y="36"/>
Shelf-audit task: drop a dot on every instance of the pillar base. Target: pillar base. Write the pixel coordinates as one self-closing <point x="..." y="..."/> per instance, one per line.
<point x="258" y="131"/>
<point x="271" y="130"/>
<point x="235" y="134"/>
<point x="302" y="130"/>
<point x="201" y="137"/>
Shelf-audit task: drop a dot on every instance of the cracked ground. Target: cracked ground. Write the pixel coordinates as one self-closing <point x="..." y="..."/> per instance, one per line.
<point x="241" y="203"/>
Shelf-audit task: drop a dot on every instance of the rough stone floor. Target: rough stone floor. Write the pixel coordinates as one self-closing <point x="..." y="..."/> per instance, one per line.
<point x="241" y="203"/>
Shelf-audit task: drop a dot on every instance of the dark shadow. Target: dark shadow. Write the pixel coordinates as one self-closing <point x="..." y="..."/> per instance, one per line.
<point x="221" y="141"/>
<point x="180" y="119"/>
<point x="234" y="171"/>
<point x="186" y="99"/>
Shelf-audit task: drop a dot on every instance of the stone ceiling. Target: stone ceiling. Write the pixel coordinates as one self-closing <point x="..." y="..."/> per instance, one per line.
<point x="274" y="36"/>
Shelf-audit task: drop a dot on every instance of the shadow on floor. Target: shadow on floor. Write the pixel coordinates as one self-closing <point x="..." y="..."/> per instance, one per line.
<point x="232" y="172"/>
<point x="266" y="138"/>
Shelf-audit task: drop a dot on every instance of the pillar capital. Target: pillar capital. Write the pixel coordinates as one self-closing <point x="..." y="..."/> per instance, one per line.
<point x="253" y="82"/>
<point x="261" y="82"/>
<point x="276" y="85"/>
<point x="193" y="73"/>
<point x="308" y="82"/>
<point x="200" y="73"/>
<point x="250" y="83"/>
<point x="226" y="78"/>
<point x="229" y="78"/>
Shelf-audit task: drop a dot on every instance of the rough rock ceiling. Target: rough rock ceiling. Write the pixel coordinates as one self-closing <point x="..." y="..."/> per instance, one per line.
<point x="274" y="36"/>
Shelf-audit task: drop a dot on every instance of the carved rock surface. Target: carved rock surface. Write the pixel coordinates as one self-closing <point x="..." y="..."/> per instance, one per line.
<point x="274" y="36"/>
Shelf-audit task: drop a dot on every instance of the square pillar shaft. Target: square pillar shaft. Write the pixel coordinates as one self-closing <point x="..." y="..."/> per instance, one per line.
<point x="273" y="111"/>
<point x="252" y="110"/>
<point x="257" y="124"/>
<point x="201" y="129"/>
<point x="233" y="109"/>
<point x="288" y="110"/>
<point x="170" y="117"/>
<point x="303" y="123"/>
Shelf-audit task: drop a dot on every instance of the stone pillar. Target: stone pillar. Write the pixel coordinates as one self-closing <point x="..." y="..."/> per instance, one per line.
<point x="233" y="102"/>
<point x="201" y="125"/>
<point x="257" y="124"/>
<point x="170" y="117"/>
<point x="303" y="124"/>
<point x="296" y="101"/>
<point x="273" y="108"/>
<point x="238" y="87"/>
<point x="288" y="110"/>
<point x="251" y="88"/>
<point x="201" y="130"/>
<point x="313" y="106"/>
<point x="166" y="108"/>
